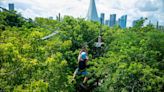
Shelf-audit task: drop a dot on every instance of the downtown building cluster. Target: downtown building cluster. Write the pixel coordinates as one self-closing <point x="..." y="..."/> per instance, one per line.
<point x="92" y="15"/>
<point x="111" y="22"/>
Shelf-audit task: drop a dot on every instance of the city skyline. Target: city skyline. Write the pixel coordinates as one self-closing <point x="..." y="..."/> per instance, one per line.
<point x="152" y="9"/>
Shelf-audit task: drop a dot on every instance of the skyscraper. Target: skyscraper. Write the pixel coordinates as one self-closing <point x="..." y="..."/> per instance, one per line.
<point x="107" y="22"/>
<point x="122" y="21"/>
<point x="102" y="18"/>
<point x="11" y="6"/>
<point x="112" y="20"/>
<point x="92" y="12"/>
<point x="157" y="25"/>
<point x="51" y="18"/>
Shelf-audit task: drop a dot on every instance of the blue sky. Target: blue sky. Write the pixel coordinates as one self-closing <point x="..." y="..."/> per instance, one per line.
<point x="152" y="9"/>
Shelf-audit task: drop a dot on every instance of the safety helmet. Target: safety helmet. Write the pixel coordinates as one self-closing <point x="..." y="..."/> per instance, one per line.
<point x="83" y="55"/>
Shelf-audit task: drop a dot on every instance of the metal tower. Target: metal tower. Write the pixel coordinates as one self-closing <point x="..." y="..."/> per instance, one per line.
<point x="92" y="12"/>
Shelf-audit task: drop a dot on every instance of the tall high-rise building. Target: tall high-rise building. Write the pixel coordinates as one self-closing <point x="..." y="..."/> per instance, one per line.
<point x="112" y="21"/>
<point x="58" y="17"/>
<point x="161" y="27"/>
<point x="122" y="21"/>
<point x="157" y="25"/>
<point x="50" y="18"/>
<point x="102" y="18"/>
<point x="11" y="6"/>
<point x="107" y="22"/>
<point x="92" y="12"/>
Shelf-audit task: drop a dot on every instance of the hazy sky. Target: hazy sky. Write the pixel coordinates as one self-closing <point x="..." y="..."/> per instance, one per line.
<point x="152" y="9"/>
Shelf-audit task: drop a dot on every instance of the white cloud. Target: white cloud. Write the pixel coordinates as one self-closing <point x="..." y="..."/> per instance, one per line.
<point x="79" y="8"/>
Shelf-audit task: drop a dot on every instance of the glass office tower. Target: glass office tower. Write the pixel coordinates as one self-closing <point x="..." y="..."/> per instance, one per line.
<point x="122" y="21"/>
<point x="11" y="6"/>
<point x="112" y="21"/>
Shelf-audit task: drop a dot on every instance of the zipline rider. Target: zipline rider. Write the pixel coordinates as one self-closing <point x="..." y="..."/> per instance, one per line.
<point x="82" y="64"/>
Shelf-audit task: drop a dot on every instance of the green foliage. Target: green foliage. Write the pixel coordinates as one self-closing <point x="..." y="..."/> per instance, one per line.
<point x="132" y="59"/>
<point x="37" y="86"/>
<point x="11" y="18"/>
<point x="134" y="62"/>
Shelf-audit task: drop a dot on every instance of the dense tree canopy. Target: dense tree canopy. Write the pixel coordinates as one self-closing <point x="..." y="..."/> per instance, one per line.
<point x="132" y="59"/>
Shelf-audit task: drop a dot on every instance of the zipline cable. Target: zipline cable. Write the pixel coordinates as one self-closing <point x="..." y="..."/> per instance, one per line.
<point x="43" y="38"/>
<point x="26" y="19"/>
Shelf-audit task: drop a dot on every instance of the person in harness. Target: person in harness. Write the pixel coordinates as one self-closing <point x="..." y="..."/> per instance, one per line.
<point x="82" y="64"/>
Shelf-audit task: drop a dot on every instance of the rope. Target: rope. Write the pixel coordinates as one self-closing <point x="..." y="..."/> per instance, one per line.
<point x="86" y="43"/>
<point x="92" y="40"/>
